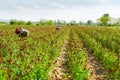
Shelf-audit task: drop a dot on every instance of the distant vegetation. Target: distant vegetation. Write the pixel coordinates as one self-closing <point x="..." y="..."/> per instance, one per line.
<point x="3" y="23"/>
<point x="104" y="20"/>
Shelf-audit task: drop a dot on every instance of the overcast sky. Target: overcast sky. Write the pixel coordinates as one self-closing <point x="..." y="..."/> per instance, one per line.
<point x="58" y="9"/>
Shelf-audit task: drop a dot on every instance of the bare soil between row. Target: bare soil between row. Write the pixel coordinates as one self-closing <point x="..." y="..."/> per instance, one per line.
<point x="61" y="70"/>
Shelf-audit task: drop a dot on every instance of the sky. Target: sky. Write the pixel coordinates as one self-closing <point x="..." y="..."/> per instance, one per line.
<point x="78" y="10"/>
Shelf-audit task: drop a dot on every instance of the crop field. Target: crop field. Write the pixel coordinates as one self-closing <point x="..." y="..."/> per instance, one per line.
<point x="34" y="57"/>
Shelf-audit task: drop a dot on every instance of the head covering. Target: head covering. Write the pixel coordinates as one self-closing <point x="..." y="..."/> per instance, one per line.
<point x="18" y="30"/>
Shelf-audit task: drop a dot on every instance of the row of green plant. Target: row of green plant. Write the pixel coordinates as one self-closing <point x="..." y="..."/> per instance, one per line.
<point x="77" y="58"/>
<point x="107" y="58"/>
<point x="30" y="57"/>
<point x="109" y="38"/>
<point x="111" y="33"/>
<point x="23" y="47"/>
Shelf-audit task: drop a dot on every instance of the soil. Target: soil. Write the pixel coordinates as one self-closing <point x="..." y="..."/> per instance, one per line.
<point x="61" y="70"/>
<point x="96" y="69"/>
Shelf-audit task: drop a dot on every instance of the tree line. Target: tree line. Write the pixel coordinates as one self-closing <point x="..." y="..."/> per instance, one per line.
<point x="104" y="20"/>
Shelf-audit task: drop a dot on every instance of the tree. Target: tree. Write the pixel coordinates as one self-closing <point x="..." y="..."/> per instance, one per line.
<point x="61" y="22"/>
<point x="73" y="23"/>
<point x="89" y="22"/>
<point x="81" y="23"/>
<point x="13" y="21"/>
<point x="50" y="22"/>
<point x="98" y="22"/>
<point x="29" y="23"/>
<point x="105" y="19"/>
<point x="21" y="22"/>
<point x="42" y="22"/>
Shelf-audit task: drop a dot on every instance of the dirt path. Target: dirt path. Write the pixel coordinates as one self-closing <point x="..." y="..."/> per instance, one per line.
<point x="96" y="70"/>
<point x="61" y="70"/>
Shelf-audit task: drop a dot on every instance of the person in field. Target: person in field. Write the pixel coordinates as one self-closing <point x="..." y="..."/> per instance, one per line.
<point x="22" y="32"/>
<point x="58" y="27"/>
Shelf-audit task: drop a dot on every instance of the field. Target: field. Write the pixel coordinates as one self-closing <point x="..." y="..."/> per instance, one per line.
<point x="72" y="53"/>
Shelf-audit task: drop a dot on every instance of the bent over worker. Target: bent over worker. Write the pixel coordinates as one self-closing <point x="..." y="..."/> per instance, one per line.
<point x="22" y="32"/>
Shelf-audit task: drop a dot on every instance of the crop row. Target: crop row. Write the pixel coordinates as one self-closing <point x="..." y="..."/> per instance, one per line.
<point x="30" y="57"/>
<point x="108" y="38"/>
<point x="77" y="58"/>
<point x="107" y="58"/>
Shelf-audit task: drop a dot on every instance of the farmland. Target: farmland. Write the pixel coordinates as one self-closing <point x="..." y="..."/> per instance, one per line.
<point x="33" y="57"/>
